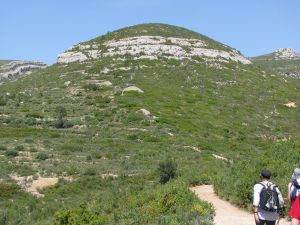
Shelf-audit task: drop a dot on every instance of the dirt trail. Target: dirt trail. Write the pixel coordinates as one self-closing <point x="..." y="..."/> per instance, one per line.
<point x="226" y="214"/>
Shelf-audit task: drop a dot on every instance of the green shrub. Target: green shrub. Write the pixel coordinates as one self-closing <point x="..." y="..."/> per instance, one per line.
<point x="19" y="148"/>
<point x="91" y="87"/>
<point x="61" y="112"/>
<point x="3" y="101"/>
<point x="59" y="123"/>
<point x="8" y="190"/>
<point x="11" y="153"/>
<point x="2" y="147"/>
<point x="30" y="121"/>
<point x="29" y="140"/>
<point x="55" y="135"/>
<point x="167" y="170"/>
<point x="42" y="156"/>
<point x="35" y="115"/>
<point x="90" y="171"/>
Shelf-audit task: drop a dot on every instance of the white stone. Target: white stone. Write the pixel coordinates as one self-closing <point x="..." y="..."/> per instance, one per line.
<point x="145" y="112"/>
<point x="83" y="47"/>
<point x="132" y="88"/>
<point x="152" y="47"/>
<point x="105" y="70"/>
<point x="105" y="83"/>
<point x="67" y="83"/>
<point x="219" y="157"/>
<point x="146" y="46"/>
<point x="291" y="105"/>
<point x="68" y="57"/>
<point x="193" y="148"/>
<point x="94" y="54"/>
<point x="286" y="53"/>
<point x="100" y="82"/>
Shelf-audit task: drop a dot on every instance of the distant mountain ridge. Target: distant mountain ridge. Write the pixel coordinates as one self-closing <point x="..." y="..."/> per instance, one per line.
<point x="285" y="61"/>
<point x="280" y="53"/>
<point x="16" y="68"/>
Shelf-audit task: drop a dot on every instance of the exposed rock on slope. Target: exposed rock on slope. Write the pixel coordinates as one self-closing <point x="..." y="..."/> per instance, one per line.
<point x="285" y="61"/>
<point x="286" y="53"/>
<point x="151" y="47"/>
<point x="16" y="69"/>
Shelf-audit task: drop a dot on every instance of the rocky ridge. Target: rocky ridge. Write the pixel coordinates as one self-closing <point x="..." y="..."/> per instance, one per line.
<point x="286" y="53"/>
<point x="152" y="48"/>
<point x="16" y="69"/>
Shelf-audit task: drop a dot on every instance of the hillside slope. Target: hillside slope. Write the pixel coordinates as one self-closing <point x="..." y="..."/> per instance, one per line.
<point x="285" y="61"/>
<point x="113" y="108"/>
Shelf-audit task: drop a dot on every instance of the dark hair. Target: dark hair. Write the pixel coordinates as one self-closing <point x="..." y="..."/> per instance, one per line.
<point x="265" y="174"/>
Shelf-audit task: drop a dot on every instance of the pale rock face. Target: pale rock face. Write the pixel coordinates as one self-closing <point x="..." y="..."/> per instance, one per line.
<point x="17" y="69"/>
<point x="94" y="54"/>
<point x="154" y="40"/>
<point x="105" y="70"/>
<point x="100" y="82"/>
<point x="145" y="112"/>
<point x="291" y="105"/>
<point x="68" y="57"/>
<point x="83" y="47"/>
<point x="152" y="47"/>
<point x="286" y="53"/>
<point x="67" y="83"/>
<point x="132" y="88"/>
<point x="105" y="83"/>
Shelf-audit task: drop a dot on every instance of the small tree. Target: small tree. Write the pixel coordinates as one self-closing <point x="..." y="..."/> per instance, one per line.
<point x="61" y="112"/>
<point x="167" y="170"/>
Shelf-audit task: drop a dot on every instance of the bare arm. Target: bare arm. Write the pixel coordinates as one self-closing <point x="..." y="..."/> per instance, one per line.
<point x="289" y="192"/>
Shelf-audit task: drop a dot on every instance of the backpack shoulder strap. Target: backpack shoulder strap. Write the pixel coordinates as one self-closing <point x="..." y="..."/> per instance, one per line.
<point x="295" y="184"/>
<point x="262" y="184"/>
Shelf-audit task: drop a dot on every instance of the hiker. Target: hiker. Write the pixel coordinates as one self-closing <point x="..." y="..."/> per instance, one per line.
<point x="293" y="197"/>
<point x="267" y="200"/>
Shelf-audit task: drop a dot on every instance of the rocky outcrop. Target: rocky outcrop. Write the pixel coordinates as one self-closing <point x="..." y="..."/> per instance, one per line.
<point x="68" y="57"/>
<point x="132" y="89"/>
<point x="286" y="53"/>
<point x="151" y="47"/>
<point x="16" y="69"/>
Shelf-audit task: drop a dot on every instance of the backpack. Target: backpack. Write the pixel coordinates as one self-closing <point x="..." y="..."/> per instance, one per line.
<point x="295" y="190"/>
<point x="269" y="198"/>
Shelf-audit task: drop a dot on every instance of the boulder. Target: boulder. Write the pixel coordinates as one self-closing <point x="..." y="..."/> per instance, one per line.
<point x="132" y="88"/>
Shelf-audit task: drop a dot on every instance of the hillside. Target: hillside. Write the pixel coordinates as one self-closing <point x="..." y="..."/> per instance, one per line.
<point x="113" y="108"/>
<point x="2" y="62"/>
<point x="13" y="69"/>
<point x="285" y="61"/>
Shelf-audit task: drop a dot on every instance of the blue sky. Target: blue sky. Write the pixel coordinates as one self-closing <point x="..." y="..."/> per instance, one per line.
<point x="41" y="29"/>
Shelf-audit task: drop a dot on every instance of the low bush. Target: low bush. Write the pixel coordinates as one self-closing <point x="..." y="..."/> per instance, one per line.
<point x="8" y="190"/>
<point x="19" y="148"/>
<point x="11" y="153"/>
<point x="167" y="170"/>
<point x="2" y="147"/>
<point x="90" y="171"/>
<point x="42" y="156"/>
<point x="3" y="101"/>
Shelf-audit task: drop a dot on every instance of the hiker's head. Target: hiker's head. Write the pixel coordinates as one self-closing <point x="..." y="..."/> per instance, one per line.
<point x="296" y="174"/>
<point x="265" y="174"/>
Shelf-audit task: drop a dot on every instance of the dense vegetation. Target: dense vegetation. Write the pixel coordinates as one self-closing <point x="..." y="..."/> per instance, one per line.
<point x="111" y="158"/>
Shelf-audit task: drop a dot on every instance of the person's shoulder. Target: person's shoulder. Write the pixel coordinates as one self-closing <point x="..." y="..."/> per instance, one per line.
<point x="258" y="186"/>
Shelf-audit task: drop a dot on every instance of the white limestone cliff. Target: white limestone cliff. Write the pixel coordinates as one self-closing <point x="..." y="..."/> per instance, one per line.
<point x="286" y="53"/>
<point x="15" y="69"/>
<point x="151" y="47"/>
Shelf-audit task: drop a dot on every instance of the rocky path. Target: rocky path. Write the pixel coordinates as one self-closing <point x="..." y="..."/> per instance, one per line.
<point x="226" y="214"/>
